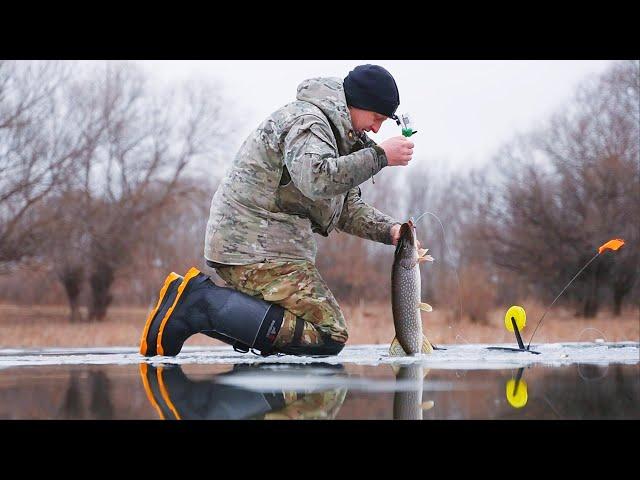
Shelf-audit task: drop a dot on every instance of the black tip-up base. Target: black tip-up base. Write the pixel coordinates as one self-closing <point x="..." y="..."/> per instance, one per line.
<point x="509" y="349"/>
<point x="521" y="346"/>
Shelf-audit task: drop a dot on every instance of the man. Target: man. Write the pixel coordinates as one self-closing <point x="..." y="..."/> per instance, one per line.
<point x="295" y="175"/>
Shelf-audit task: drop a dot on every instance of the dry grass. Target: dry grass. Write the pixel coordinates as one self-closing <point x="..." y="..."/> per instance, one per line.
<point x="48" y="326"/>
<point x="374" y="324"/>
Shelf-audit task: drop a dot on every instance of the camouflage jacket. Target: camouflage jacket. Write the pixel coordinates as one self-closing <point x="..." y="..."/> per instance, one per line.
<point x="296" y="174"/>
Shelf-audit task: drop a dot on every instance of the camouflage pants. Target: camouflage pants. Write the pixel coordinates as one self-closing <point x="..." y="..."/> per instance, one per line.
<point x="298" y="287"/>
<point x="310" y="406"/>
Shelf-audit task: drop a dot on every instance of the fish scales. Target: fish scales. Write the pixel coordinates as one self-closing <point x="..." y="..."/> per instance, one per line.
<point x="405" y="291"/>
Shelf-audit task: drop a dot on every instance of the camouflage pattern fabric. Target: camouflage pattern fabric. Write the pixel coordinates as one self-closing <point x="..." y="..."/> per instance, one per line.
<point x="298" y="287"/>
<point x="311" y="406"/>
<point x="295" y="175"/>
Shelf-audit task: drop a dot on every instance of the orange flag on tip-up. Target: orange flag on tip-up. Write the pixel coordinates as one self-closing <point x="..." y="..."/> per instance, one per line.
<point x="614" y="244"/>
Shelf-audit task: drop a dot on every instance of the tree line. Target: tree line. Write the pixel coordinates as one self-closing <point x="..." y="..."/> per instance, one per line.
<point x="525" y="223"/>
<point x="98" y="190"/>
<point x="95" y="165"/>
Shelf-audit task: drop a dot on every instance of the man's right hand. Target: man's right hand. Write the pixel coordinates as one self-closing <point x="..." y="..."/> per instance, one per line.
<point x="399" y="150"/>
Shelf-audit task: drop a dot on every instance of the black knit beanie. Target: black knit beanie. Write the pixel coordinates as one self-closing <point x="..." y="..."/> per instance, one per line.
<point x="371" y="87"/>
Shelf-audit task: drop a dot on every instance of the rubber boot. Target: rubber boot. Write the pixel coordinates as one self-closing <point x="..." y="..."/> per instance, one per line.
<point x="166" y="298"/>
<point x="200" y="306"/>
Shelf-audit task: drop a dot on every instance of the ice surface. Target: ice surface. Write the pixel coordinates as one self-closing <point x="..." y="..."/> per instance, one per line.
<point x="458" y="356"/>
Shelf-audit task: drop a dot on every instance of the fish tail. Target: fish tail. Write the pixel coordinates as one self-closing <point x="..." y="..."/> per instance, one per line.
<point x="396" y="349"/>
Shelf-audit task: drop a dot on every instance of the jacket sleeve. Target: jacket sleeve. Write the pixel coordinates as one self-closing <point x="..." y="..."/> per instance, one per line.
<point x="315" y="166"/>
<point x="363" y="220"/>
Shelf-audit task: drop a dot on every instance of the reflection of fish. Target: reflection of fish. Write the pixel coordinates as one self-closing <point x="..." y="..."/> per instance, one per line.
<point x="175" y="396"/>
<point x="405" y="295"/>
<point x="408" y="405"/>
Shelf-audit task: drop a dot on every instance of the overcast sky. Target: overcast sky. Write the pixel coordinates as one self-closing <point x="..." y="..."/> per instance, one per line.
<point x="463" y="110"/>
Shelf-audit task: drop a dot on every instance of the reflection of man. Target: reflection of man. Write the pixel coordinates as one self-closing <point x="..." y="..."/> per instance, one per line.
<point x="310" y="406"/>
<point x="176" y="397"/>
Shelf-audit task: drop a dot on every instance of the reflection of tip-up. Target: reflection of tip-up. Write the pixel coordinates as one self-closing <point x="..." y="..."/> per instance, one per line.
<point x="516" y="391"/>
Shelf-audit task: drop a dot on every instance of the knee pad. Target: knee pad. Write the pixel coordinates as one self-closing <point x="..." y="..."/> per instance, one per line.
<point x="328" y="346"/>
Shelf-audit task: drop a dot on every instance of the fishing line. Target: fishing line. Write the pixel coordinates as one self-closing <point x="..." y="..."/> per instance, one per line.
<point x="613" y="244"/>
<point x="552" y="407"/>
<point x="587" y="379"/>
<point x="462" y="337"/>
<point x="444" y="239"/>
<point x="604" y="337"/>
<point x="580" y="374"/>
<point x="554" y="301"/>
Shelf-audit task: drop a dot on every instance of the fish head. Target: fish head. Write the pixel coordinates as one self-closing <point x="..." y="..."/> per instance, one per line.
<point x="407" y="242"/>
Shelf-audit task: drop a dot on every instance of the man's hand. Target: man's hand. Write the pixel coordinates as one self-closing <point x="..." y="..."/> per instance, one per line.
<point x="398" y="150"/>
<point x="395" y="234"/>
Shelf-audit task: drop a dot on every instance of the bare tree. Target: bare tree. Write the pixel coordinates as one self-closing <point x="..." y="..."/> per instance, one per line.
<point x="67" y="247"/>
<point x="147" y="144"/>
<point x="595" y="150"/>
<point x="563" y="191"/>
<point x="36" y="149"/>
<point x="90" y="162"/>
<point x="174" y="242"/>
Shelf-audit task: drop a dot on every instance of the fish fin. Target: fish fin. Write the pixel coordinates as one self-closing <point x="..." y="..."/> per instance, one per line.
<point x="426" y="345"/>
<point x="396" y="349"/>
<point x="426" y="372"/>
<point x="426" y="258"/>
<point x="427" y="405"/>
<point x="422" y="252"/>
<point x="396" y="369"/>
<point x="425" y="307"/>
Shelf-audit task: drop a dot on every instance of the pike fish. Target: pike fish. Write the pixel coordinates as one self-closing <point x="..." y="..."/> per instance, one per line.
<point x="405" y="295"/>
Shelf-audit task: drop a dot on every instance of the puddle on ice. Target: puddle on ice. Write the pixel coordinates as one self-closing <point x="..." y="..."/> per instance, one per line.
<point x="586" y="380"/>
<point x="459" y="356"/>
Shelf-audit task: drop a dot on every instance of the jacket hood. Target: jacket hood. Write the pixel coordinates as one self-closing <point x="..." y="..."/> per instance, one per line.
<point x="327" y="93"/>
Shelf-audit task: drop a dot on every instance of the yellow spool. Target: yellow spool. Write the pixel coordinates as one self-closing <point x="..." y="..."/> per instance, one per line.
<point x="518" y="314"/>
<point x="517" y="397"/>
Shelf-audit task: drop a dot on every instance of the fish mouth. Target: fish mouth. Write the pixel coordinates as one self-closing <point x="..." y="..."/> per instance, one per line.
<point x="408" y="233"/>
<point x="407" y="236"/>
